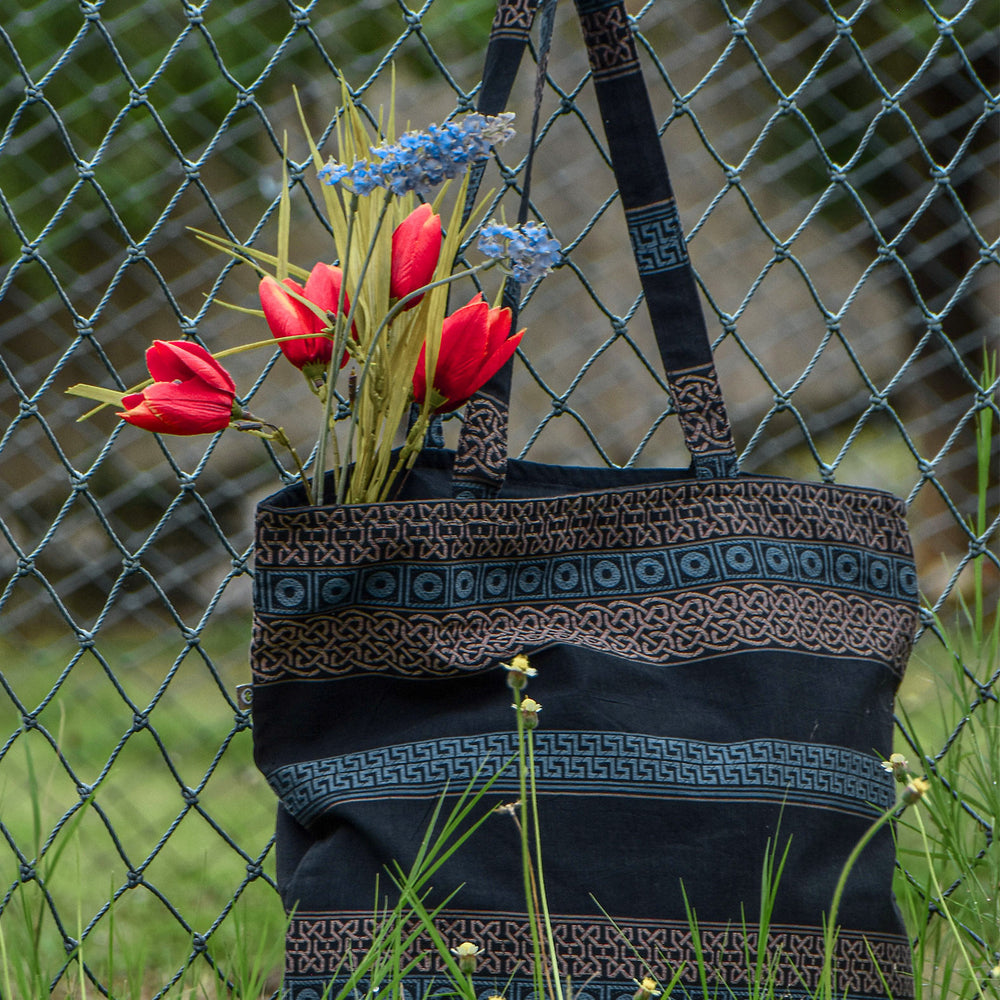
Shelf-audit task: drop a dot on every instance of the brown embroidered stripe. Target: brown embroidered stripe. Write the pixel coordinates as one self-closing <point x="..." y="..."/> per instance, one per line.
<point x="608" y="959"/>
<point x="658" y="515"/>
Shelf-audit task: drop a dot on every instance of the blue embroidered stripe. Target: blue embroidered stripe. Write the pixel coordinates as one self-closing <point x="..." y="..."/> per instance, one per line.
<point x="595" y="763"/>
<point x="657" y="239"/>
<point x="425" y="586"/>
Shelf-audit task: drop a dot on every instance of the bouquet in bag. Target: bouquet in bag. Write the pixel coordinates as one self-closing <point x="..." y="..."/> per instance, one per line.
<point x="370" y="331"/>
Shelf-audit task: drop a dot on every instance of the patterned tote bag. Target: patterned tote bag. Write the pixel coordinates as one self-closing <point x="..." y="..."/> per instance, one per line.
<point x="717" y="656"/>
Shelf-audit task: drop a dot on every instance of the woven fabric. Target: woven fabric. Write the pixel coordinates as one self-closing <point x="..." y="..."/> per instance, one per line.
<point x="717" y="664"/>
<point x="717" y="653"/>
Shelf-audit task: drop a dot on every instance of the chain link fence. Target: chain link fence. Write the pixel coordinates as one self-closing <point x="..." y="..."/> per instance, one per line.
<point x="836" y="166"/>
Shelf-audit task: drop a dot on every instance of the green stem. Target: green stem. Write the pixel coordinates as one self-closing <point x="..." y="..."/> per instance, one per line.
<point x="556" y="984"/>
<point x="984" y="439"/>
<point x="282" y="438"/>
<point x="341" y="326"/>
<point x="277" y="435"/>
<point x="536" y="944"/>
<point x="826" y="991"/>
<point x="942" y="902"/>
<point x="348" y="454"/>
<point x="386" y="322"/>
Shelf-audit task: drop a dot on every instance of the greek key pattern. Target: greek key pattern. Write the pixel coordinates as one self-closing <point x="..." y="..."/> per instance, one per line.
<point x="657" y="237"/>
<point x="610" y="45"/>
<point x="513" y="18"/>
<point x="624" y="519"/>
<point x="595" y="764"/>
<point x="481" y="459"/>
<point x="606" y="959"/>
<point x="491" y="583"/>
<point x="713" y="622"/>
<point x="702" y="412"/>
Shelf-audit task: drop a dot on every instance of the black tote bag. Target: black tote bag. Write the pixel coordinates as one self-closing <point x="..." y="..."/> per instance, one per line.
<point x="717" y="656"/>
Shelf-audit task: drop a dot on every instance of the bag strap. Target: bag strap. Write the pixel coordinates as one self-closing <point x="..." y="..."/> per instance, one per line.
<point x="657" y="242"/>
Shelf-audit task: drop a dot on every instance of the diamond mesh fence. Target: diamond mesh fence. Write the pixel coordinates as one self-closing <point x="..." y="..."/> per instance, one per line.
<point x="836" y="166"/>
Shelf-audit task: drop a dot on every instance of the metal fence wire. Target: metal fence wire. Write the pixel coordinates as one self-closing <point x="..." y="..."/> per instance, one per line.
<point x="836" y="165"/>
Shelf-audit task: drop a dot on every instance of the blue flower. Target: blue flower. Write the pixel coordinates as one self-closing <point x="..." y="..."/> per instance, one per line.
<point x="421" y="160"/>
<point x="530" y="250"/>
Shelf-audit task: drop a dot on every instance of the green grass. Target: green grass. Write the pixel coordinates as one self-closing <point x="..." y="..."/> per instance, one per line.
<point x="953" y="717"/>
<point x="188" y="771"/>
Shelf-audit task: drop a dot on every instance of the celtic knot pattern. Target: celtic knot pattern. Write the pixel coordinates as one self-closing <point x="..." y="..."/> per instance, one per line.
<point x="607" y="958"/>
<point x="513" y="18"/>
<point x="661" y="629"/>
<point x="481" y="459"/>
<point x="628" y="518"/>
<point x="610" y="44"/>
<point x="701" y="410"/>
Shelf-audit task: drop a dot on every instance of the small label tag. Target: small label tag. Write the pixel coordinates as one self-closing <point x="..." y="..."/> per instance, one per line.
<point x="244" y="696"/>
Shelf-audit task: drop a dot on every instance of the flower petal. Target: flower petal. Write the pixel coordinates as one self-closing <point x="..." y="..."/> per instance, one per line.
<point x="323" y="288"/>
<point x="497" y="360"/>
<point x="288" y="317"/>
<point x="170" y="360"/>
<point x="189" y="407"/>
<point x="416" y="247"/>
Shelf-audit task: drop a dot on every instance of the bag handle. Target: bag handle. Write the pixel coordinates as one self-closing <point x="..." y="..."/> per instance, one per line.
<point x="655" y="233"/>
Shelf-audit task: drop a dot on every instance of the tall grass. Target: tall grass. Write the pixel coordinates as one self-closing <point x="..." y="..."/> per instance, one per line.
<point x="949" y="877"/>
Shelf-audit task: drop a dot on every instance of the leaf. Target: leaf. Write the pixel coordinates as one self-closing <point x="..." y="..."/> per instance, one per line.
<point x="106" y="397"/>
<point x="284" y="216"/>
<point x="246" y="255"/>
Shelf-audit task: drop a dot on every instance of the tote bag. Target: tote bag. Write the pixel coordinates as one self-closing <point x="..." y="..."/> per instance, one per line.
<point x="717" y="655"/>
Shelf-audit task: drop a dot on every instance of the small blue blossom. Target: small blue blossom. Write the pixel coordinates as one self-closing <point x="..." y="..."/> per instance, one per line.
<point x="530" y="250"/>
<point x="421" y="160"/>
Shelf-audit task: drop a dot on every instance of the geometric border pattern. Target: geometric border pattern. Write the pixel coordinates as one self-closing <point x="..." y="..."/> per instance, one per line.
<point x="657" y="237"/>
<point x="656" y="630"/>
<point x="484" y="583"/>
<point x="660" y="573"/>
<point x="610" y="43"/>
<point x="625" y="519"/>
<point x="604" y="959"/>
<point x="611" y="764"/>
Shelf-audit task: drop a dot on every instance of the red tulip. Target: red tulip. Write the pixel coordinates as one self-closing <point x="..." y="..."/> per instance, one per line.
<point x="288" y="317"/>
<point x="416" y="246"/>
<point x="191" y="392"/>
<point x="474" y="346"/>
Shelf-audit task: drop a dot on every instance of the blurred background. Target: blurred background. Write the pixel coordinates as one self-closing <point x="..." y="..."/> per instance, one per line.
<point x="836" y="167"/>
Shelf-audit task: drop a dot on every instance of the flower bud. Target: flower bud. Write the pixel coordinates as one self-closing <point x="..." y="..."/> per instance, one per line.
<point x="476" y="343"/>
<point x="518" y="672"/>
<point x="466" y="953"/>
<point x="529" y="709"/>
<point x="916" y="789"/>
<point x="416" y="246"/>
<point x="647" y="989"/>
<point x="898" y="766"/>
<point x="191" y="392"/>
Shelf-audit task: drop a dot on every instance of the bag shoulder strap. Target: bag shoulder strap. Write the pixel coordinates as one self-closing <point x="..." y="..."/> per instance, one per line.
<point x="657" y="242"/>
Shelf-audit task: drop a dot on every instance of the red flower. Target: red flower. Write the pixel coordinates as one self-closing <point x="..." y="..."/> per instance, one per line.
<point x="416" y="246"/>
<point x="474" y="346"/>
<point x="191" y="392"/>
<point x="288" y="317"/>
